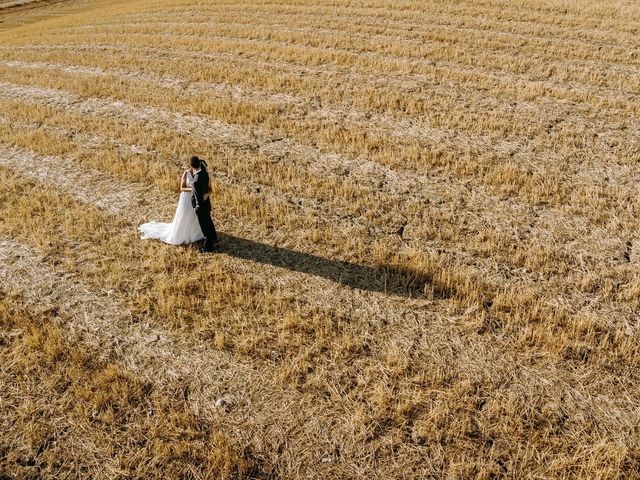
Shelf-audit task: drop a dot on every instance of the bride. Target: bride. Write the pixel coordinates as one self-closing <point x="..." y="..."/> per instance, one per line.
<point x="184" y="228"/>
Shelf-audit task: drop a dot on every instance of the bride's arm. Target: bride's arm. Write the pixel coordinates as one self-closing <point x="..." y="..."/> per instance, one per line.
<point x="183" y="183"/>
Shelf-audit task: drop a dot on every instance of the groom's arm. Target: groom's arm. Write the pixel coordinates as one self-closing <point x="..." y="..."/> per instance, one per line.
<point x="208" y="192"/>
<point x="206" y="188"/>
<point x="199" y="188"/>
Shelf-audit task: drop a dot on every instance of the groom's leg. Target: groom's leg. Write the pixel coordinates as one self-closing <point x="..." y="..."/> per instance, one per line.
<point x="207" y="227"/>
<point x="202" y="221"/>
<point x="209" y="232"/>
<point x="212" y="229"/>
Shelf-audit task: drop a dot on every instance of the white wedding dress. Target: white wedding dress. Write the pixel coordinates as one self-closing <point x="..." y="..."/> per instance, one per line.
<point x="183" y="229"/>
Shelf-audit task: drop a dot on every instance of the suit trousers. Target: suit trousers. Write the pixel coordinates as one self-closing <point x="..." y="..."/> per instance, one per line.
<point x="206" y="225"/>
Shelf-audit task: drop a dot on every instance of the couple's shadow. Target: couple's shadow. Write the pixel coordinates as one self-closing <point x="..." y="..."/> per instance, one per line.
<point x="386" y="279"/>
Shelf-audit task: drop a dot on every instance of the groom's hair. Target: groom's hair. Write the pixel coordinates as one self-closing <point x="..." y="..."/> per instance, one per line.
<point x="195" y="162"/>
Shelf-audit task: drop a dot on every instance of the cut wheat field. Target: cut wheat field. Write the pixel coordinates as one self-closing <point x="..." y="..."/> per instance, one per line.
<point x="430" y="255"/>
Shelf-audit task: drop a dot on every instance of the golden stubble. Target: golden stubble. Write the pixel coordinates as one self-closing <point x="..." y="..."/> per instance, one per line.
<point x="434" y="215"/>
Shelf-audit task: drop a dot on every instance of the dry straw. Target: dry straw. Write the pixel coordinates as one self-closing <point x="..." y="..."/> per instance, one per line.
<point x="429" y="258"/>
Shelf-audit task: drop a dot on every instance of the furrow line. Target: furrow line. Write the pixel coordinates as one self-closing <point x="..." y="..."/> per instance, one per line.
<point x="409" y="188"/>
<point x="470" y="24"/>
<point x="522" y="15"/>
<point x="415" y="41"/>
<point x="577" y="72"/>
<point x="577" y="91"/>
<point x="84" y="184"/>
<point x="403" y="129"/>
<point x="136" y="204"/>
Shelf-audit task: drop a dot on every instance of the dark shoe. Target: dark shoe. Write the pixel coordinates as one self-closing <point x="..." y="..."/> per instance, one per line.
<point x="209" y="248"/>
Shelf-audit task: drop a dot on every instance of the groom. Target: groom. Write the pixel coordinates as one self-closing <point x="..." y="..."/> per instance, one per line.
<point x="202" y="204"/>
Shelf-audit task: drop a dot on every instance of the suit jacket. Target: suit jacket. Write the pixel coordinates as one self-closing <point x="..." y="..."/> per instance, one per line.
<point x="199" y="189"/>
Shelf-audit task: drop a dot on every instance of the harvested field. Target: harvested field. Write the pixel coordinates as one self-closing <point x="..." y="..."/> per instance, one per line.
<point x="429" y="246"/>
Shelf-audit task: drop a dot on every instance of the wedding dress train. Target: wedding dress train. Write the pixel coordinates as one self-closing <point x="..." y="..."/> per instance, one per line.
<point x="183" y="229"/>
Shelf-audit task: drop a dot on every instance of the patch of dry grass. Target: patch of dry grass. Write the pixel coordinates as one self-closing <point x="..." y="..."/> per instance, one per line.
<point x="430" y="253"/>
<point x="71" y="410"/>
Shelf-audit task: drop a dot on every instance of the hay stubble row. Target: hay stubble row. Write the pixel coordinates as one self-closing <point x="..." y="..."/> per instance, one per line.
<point x="506" y="342"/>
<point x="347" y="218"/>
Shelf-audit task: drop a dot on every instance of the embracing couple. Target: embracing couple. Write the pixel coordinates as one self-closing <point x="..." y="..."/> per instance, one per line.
<point x="192" y="221"/>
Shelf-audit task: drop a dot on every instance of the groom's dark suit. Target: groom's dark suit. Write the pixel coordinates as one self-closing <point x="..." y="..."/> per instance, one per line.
<point x="203" y="208"/>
